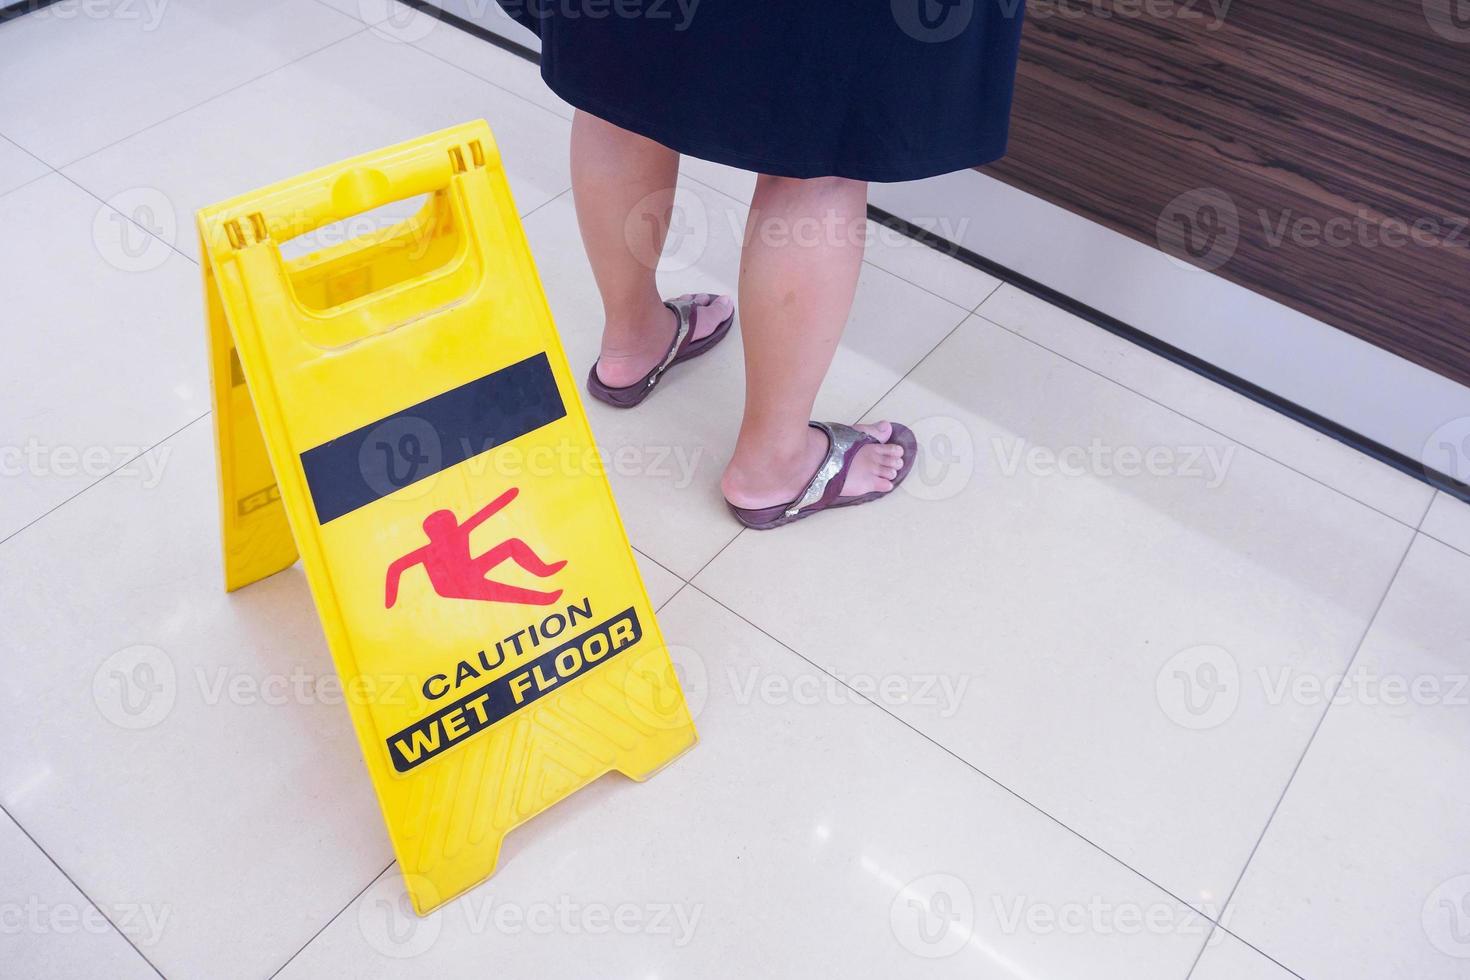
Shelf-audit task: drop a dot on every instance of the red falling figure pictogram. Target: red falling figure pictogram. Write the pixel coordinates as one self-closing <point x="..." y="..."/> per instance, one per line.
<point x="456" y="574"/>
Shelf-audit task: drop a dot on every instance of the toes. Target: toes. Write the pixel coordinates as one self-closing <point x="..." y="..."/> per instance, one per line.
<point x="882" y="485"/>
<point x="710" y="311"/>
<point x="878" y="430"/>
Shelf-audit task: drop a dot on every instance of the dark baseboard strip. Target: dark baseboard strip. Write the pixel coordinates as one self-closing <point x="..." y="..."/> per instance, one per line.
<point x="24" y="7"/>
<point x="478" y="30"/>
<point x="1307" y="417"/>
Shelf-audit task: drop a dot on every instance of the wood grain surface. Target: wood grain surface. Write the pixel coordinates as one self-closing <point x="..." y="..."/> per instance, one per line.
<point x="1315" y="151"/>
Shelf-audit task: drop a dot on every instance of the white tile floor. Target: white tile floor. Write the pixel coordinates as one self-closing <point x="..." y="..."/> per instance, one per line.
<point x="1209" y="719"/>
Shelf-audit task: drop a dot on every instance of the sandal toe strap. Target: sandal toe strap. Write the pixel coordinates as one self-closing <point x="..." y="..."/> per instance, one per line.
<point x="843" y="442"/>
<point x="683" y="308"/>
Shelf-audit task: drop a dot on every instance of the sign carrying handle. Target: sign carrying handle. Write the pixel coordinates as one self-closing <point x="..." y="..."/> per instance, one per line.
<point x="442" y="169"/>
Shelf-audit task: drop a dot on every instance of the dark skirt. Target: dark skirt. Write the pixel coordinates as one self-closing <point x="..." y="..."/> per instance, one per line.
<point x="868" y="89"/>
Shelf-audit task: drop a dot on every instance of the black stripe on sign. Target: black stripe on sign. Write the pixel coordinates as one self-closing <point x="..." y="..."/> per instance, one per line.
<point x="504" y="696"/>
<point x="369" y="463"/>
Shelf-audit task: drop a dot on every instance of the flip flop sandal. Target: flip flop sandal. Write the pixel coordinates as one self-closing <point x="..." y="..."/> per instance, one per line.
<point x="684" y="347"/>
<point x="822" y="493"/>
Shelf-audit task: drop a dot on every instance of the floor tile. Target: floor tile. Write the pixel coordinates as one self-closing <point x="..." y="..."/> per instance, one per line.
<point x="168" y="743"/>
<point x="1237" y="417"/>
<point x="906" y="258"/>
<point x="496" y="65"/>
<point x="1227" y="958"/>
<point x="659" y="581"/>
<point x="804" y="835"/>
<point x="94" y="375"/>
<point x="362" y="94"/>
<point x="49" y="929"/>
<point x="1364" y="870"/>
<point x="1449" y="521"/>
<point x="668" y="455"/>
<point x="17" y="167"/>
<point x="157" y="59"/>
<point x="1095" y="587"/>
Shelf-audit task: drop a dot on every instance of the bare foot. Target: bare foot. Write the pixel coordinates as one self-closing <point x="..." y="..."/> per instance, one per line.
<point x="619" y="369"/>
<point x="773" y="482"/>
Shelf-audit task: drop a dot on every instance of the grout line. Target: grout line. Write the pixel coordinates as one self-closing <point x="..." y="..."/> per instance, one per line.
<point x="557" y="197"/>
<point x="1220" y="928"/>
<point x="927" y="354"/>
<point x="71" y="881"/>
<point x="416" y="45"/>
<point x="655" y="561"/>
<point x="1321" y="720"/>
<point x="130" y="220"/>
<point x="733" y="539"/>
<point x="218" y="95"/>
<point x="1200" y="954"/>
<point x="1453" y="547"/>
<point x="337" y="915"/>
<point x="26" y="183"/>
<point x="1204" y="425"/>
<point x="956" y="756"/>
<point x="101" y="479"/>
<point x="677" y="592"/>
<point x="975" y="310"/>
<point x="1427" y="508"/>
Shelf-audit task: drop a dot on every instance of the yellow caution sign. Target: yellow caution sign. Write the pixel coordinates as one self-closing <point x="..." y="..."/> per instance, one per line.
<point x="398" y="409"/>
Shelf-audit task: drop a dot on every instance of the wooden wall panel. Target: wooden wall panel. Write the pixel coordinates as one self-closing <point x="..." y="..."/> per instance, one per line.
<point x="1315" y="151"/>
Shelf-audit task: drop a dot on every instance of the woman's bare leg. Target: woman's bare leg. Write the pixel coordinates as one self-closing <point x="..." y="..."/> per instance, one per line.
<point x="623" y="185"/>
<point x="803" y="251"/>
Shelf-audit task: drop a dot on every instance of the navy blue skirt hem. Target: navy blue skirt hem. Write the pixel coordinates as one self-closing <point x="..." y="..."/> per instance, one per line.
<point x="987" y="150"/>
